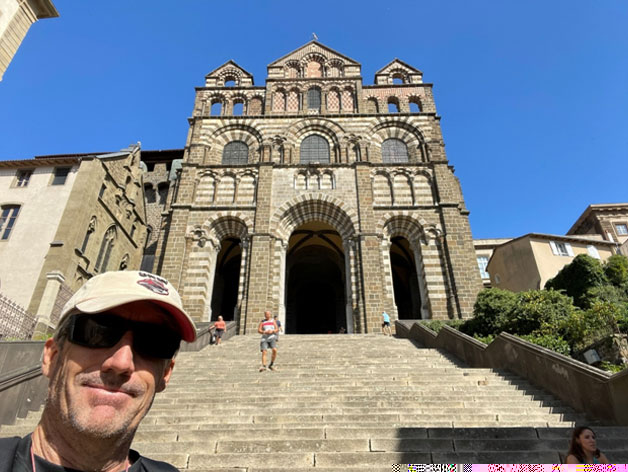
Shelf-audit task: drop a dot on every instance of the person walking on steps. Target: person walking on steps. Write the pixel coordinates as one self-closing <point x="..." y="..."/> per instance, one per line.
<point x="386" y="324"/>
<point x="220" y="327"/>
<point x="268" y="329"/>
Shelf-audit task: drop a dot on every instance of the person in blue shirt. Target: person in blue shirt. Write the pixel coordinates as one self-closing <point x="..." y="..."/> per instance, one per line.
<point x="386" y="324"/>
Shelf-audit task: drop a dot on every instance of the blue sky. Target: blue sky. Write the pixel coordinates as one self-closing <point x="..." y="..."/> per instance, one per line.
<point x="533" y="95"/>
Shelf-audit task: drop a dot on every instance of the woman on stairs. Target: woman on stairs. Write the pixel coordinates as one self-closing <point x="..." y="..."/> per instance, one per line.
<point x="583" y="448"/>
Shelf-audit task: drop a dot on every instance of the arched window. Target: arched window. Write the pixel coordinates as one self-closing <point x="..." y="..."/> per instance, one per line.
<point x="162" y="189"/>
<point x="149" y="191"/>
<point x="216" y="108"/>
<point x="314" y="98"/>
<point x="415" y="107"/>
<point x="393" y="105"/>
<point x="235" y="153"/>
<point x="105" y="250"/>
<point x="238" y="108"/>
<point x="394" y="151"/>
<point x="230" y="82"/>
<point x="371" y="105"/>
<point x="314" y="148"/>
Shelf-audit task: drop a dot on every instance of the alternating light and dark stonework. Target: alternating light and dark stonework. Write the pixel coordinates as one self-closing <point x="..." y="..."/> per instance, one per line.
<point x="319" y="198"/>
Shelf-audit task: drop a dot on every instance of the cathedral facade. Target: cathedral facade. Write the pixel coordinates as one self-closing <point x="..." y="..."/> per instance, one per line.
<point x="319" y="198"/>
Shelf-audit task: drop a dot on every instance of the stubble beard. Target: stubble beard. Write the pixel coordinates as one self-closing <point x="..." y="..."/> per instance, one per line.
<point x="76" y="416"/>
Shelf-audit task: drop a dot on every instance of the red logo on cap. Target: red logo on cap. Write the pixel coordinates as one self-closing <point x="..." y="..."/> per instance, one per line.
<point x="153" y="285"/>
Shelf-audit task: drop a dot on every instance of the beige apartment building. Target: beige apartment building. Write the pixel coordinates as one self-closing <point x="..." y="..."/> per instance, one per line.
<point x="320" y="198"/>
<point x="16" y="17"/>
<point x="527" y="262"/>
<point x="64" y="219"/>
<point x="609" y="220"/>
<point x="483" y="251"/>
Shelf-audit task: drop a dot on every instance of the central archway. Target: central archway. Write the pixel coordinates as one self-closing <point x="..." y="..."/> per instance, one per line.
<point x="226" y="279"/>
<point x="315" y="275"/>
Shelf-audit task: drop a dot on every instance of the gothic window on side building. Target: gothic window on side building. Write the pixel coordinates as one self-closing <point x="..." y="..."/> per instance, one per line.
<point x="394" y="151"/>
<point x="235" y="153"/>
<point x="314" y="148"/>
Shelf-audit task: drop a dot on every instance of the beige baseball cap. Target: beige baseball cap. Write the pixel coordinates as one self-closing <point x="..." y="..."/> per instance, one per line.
<point x="113" y="289"/>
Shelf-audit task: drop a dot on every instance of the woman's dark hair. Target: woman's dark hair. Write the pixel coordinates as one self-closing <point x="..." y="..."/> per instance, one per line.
<point x="575" y="449"/>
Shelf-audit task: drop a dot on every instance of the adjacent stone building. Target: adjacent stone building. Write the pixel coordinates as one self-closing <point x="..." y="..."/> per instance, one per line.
<point x="609" y="220"/>
<point x="319" y="198"/>
<point x="64" y="219"/>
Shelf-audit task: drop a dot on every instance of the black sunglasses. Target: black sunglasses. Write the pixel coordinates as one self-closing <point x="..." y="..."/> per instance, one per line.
<point x="106" y="330"/>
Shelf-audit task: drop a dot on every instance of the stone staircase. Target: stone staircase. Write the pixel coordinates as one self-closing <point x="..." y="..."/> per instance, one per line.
<point x="349" y="402"/>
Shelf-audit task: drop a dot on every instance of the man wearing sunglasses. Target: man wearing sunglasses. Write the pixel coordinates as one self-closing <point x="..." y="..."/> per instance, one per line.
<point x="113" y="350"/>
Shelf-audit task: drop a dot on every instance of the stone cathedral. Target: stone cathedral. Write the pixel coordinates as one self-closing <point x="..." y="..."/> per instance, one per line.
<point x="319" y="198"/>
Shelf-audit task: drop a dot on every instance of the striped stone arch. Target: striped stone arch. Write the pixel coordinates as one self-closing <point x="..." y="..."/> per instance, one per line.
<point x="237" y="132"/>
<point x="401" y="223"/>
<point x="314" y="207"/>
<point x="303" y="128"/>
<point x="397" y="129"/>
<point x="228" y="224"/>
<point x="227" y="73"/>
<point x="312" y="56"/>
<point x="216" y="98"/>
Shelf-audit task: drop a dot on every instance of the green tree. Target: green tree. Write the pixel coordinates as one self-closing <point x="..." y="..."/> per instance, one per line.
<point x="616" y="270"/>
<point x="491" y="307"/>
<point x="584" y="327"/>
<point x="540" y="312"/>
<point x="578" y="277"/>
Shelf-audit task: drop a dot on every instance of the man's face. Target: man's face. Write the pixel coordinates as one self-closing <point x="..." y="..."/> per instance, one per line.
<point x="105" y="392"/>
<point x="267" y="315"/>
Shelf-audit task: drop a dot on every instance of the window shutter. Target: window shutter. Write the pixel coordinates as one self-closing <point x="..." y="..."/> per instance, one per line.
<point x="554" y="248"/>
<point x="569" y="250"/>
<point x="593" y="252"/>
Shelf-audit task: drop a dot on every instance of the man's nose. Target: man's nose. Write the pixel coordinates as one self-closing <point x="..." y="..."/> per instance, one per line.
<point x="120" y="357"/>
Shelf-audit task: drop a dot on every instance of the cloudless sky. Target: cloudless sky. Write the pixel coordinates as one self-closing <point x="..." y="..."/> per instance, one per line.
<point x="533" y="94"/>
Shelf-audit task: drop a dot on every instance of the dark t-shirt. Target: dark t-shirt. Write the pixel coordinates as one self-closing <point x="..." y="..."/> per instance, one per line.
<point x="15" y="457"/>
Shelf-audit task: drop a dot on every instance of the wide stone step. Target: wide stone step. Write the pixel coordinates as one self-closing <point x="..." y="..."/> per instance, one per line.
<point x="347" y="410"/>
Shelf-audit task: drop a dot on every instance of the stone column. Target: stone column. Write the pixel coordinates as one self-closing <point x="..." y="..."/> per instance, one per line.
<point x="420" y="275"/>
<point x="390" y="304"/>
<point x="351" y="290"/>
<point x="44" y="324"/>
<point x="282" y="282"/>
<point x="244" y="264"/>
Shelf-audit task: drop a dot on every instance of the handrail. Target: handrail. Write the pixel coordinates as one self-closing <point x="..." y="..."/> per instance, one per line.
<point x="601" y="395"/>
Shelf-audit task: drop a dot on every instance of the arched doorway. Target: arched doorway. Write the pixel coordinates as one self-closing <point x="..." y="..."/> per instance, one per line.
<point x="315" y="275"/>
<point x="405" y="281"/>
<point x="226" y="279"/>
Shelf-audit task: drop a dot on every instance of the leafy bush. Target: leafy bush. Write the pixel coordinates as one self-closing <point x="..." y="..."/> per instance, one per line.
<point x="485" y="339"/>
<point x="538" y="312"/>
<point x="605" y="293"/>
<point x="616" y="270"/>
<point x="614" y="368"/>
<point x="489" y="311"/>
<point x="578" y="277"/>
<point x="436" y="325"/>
<point x="584" y="327"/>
<point x="555" y="343"/>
